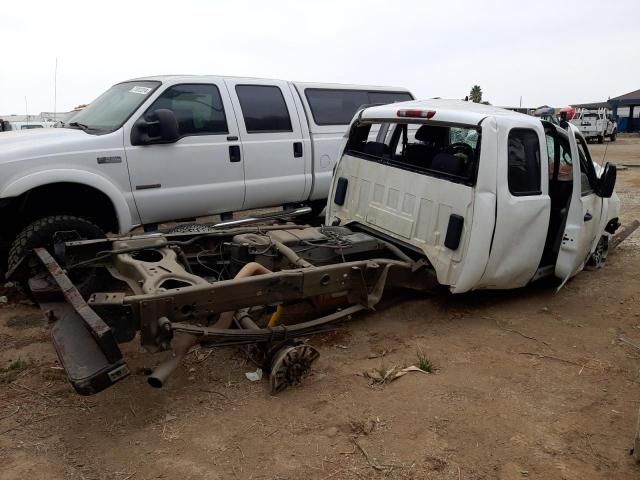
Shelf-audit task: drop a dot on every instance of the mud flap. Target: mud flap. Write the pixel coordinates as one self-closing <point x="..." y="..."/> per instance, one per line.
<point x="85" y="344"/>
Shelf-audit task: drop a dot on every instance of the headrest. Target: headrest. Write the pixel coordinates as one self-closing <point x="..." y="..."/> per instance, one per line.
<point x="430" y="133"/>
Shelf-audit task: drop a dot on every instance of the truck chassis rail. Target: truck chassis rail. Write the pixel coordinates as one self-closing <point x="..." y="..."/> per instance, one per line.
<point x="86" y="334"/>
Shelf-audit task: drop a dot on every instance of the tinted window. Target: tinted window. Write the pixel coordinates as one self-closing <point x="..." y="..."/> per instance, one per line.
<point x="29" y="127"/>
<point x="389" y="97"/>
<point x="524" y="162"/>
<point x="337" y="107"/>
<point x="198" y="109"/>
<point x="263" y="108"/>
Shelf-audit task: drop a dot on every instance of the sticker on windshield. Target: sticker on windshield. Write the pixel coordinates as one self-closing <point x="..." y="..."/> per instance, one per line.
<point x="140" y="90"/>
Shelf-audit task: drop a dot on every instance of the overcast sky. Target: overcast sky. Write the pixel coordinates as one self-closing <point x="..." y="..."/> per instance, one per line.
<point x="555" y="52"/>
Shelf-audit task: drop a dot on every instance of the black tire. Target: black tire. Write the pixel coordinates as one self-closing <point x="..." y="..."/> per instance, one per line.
<point x="612" y="137"/>
<point x="599" y="256"/>
<point x="40" y="233"/>
<point x="600" y="138"/>
<point x="4" y="253"/>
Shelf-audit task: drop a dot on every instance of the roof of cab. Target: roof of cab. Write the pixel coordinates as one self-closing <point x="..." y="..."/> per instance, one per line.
<point x="452" y="111"/>
<point x="182" y="77"/>
<point x="205" y="78"/>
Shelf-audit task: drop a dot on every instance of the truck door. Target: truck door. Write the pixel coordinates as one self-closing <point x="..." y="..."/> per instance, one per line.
<point x="201" y="173"/>
<point x="585" y="210"/>
<point x="275" y="158"/>
<point x="523" y="206"/>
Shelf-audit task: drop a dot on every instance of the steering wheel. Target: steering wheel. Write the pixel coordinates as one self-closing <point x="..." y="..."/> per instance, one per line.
<point x="461" y="147"/>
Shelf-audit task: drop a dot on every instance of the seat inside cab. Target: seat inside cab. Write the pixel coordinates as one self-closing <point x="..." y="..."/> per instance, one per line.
<point x="438" y="150"/>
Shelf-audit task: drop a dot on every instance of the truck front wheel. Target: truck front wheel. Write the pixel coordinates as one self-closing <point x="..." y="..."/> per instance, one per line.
<point x="599" y="256"/>
<point x="612" y="137"/>
<point x="41" y="233"/>
<point x="600" y="138"/>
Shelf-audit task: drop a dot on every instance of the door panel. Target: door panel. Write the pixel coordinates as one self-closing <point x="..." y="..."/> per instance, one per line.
<point x="523" y="208"/>
<point x="274" y="149"/>
<point x="583" y="219"/>
<point x="200" y="174"/>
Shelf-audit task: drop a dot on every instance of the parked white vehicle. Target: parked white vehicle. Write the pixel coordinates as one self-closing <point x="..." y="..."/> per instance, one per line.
<point x="596" y="124"/>
<point x="492" y="199"/>
<point x="30" y="125"/>
<point x="165" y="148"/>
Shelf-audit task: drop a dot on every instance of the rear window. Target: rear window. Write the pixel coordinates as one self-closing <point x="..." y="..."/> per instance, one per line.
<point x="331" y="106"/>
<point x="449" y="152"/>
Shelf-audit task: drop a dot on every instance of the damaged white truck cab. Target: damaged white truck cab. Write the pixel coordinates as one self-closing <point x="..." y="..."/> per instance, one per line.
<point x="492" y="199"/>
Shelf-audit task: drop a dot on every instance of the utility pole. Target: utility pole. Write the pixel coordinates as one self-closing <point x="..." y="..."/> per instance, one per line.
<point x="55" y="92"/>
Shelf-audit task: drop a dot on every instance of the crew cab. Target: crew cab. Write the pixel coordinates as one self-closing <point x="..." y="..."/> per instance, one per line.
<point x="491" y="199"/>
<point x="165" y="148"/>
<point x="596" y="124"/>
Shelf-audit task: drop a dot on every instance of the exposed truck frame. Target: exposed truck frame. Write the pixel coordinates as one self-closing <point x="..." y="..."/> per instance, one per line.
<point x="248" y="307"/>
<point x="221" y="287"/>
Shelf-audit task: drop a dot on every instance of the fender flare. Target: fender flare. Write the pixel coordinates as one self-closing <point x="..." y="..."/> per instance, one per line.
<point x="64" y="175"/>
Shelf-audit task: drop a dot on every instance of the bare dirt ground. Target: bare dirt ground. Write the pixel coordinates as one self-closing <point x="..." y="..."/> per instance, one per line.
<point x="527" y="384"/>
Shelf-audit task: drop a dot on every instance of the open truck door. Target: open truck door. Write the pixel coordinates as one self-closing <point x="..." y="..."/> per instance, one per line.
<point x="583" y="218"/>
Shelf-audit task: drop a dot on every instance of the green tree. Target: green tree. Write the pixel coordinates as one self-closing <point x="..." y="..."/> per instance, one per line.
<point x="475" y="95"/>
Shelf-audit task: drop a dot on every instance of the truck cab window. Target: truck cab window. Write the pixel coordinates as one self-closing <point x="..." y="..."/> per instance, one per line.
<point x="334" y="106"/>
<point x="524" y="162"/>
<point x="198" y="109"/>
<point x="263" y="108"/>
<point x="587" y="170"/>
<point x="559" y="155"/>
<point x="435" y="150"/>
<point x="111" y="110"/>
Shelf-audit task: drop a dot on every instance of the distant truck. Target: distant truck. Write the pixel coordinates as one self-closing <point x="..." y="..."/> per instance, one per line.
<point x="164" y="148"/>
<point x="30" y="125"/>
<point x="596" y="124"/>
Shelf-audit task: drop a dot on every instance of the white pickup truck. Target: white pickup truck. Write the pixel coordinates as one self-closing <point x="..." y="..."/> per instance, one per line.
<point x="596" y="124"/>
<point x="166" y="148"/>
<point x="492" y="199"/>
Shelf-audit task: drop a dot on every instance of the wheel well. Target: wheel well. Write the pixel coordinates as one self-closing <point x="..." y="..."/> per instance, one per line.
<point x="64" y="198"/>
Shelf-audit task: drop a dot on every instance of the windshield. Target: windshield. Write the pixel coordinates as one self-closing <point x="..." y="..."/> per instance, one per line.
<point x="445" y="151"/>
<point x="111" y="109"/>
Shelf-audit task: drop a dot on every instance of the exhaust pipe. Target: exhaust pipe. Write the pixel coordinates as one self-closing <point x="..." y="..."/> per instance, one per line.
<point x="182" y="343"/>
<point x="261" y="218"/>
<point x="249" y="270"/>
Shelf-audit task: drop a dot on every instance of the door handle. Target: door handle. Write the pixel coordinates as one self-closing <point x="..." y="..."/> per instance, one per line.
<point x="297" y="149"/>
<point x="234" y="153"/>
<point x="587" y="217"/>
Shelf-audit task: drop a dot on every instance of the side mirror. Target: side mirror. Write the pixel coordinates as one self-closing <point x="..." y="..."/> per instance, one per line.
<point x="607" y="180"/>
<point x="160" y="126"/>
